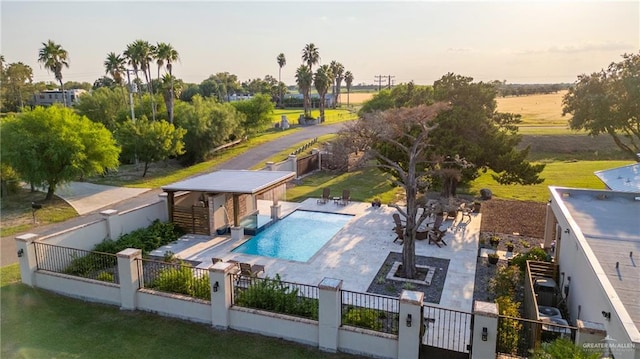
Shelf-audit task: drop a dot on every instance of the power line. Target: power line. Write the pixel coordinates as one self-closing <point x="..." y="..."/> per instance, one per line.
<point x="379" y="79"/>
<point x="389" y="82"/>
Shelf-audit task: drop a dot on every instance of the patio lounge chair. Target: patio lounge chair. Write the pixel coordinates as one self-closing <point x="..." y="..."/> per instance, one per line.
<point x="399" y="234"/>
<point x="249" y="270"/>
<point x="346" y="197"/>
<point x="325" y="195"/>
<point x="436" y="237"/>
<point x="398" y="221"/>
<point x="435" y="233"/>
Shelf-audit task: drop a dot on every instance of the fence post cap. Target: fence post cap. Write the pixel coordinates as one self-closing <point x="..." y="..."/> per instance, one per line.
<point x="411" y="297"/>
<point x="485" y="308"/>
<point x="330" y="284"/>
<point x="27" y="237"/>
<point x="129" y="253"/>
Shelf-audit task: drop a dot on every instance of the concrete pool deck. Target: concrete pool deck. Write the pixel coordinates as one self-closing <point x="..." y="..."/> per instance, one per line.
<point x="355" y="254"/>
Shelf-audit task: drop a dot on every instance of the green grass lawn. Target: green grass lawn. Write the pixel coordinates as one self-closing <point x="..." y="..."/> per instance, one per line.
<point x="578" y="174"/>
<point x="40" y="324"/>
<point x="364" y="184"/>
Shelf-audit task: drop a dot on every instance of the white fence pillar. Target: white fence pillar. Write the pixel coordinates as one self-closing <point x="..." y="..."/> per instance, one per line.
<point x="26" y="253"/>
<point x="409" y="339"/>
<point x="329" y="313"/>
<point x="165" y="200"/>
<point x="270" y="166"/>
<point x="129" y="276"/>
<point x="293" y="162"/>
<point x="221" y="291"/>
<point x="485" y="330"/>
<point x="114" y="227"/>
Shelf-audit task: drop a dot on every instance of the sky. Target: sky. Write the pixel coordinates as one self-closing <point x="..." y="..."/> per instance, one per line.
<point x="516" y="41"/>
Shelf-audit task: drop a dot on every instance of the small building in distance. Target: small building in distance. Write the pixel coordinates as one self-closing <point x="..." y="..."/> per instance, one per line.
<point x="49" y="97"/>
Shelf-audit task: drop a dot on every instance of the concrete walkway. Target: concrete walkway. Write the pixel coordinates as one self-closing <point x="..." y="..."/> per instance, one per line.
<point x="87" y="197"/>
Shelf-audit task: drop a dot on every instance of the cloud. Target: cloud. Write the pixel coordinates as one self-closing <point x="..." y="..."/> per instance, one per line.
<point x="581" y="48"/>
<point x="458" y="49"/>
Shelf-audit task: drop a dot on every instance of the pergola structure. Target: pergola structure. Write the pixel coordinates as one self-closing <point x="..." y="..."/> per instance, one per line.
<point x="205" y="199"/>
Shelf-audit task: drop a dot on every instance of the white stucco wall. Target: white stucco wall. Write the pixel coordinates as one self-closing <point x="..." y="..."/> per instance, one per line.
<point x="174" y="305"/>
<point x="86" y="289"/>
<point x="366" y="342"/>
<point x="296" y="329"/>
<point x="142" y="217"/>
<point x="83" y="237"/>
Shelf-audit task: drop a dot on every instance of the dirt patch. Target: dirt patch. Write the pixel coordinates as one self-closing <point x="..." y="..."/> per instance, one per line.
<point x="509" y="217"/>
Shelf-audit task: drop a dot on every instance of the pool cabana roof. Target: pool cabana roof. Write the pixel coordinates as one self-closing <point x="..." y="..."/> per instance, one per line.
<point x="233" y="181"/>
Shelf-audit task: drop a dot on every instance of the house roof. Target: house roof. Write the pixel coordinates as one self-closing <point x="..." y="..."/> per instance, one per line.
<point x="625" y="178"/>
<point x="232" y="181"/>
<point x="608" y="221"/>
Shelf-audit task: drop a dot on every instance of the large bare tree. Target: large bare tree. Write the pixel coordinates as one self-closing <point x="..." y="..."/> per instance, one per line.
<point x="400" y="133"/>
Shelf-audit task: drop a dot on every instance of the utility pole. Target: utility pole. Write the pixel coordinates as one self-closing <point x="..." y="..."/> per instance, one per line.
<point x="389" y="82"/>
<point x="379" y="79"/>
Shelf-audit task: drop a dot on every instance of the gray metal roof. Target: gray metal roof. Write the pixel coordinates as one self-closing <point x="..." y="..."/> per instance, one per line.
<point x="625" y="178"/>
<point x="232" y="181"/>
<point x="610" y="223"/>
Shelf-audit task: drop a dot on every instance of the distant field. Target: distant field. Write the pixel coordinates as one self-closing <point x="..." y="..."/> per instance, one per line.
<point x="536" y="110"/>
<point x="356" y="98"/>
<point x="577" y="174"/>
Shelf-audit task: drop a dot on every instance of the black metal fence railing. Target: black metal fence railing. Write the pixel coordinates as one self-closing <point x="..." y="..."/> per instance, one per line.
<point x="177" y="278"/>
<point x="370" y="311"/>
<point x="519" y="336"/>
<point x="447" y="329"/>
<point x="77" y="262"/>
<point x="275" y="295"/>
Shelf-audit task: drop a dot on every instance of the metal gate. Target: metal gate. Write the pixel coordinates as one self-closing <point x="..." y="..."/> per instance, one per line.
<point x="448" y="333"/>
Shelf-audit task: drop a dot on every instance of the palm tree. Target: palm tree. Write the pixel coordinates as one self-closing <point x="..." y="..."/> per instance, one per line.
<point x="170" y="89"/>
<point x="140" y="55"/>
<point x="322" y="82"/>
<point x="166" y="53"/>
<point x="348" y="80"/>
<point x="281" y="62"/>
<point x="114" y="66"/>
<point x="310" y="55"/>
<point x="304" y="78"/>
<point x="338" y="75"/>
<point x="54" y="58"/>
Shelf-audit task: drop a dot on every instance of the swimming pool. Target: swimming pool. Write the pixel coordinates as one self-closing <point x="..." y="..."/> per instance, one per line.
<point x="296" y="237"/>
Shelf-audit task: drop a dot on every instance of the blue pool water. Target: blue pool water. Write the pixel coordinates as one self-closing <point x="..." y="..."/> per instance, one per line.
<point x="296" y="237"/>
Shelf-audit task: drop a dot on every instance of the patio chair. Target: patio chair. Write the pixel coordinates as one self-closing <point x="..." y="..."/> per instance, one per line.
<point x="465" y="211"/>
<point x="435" y="234"/>
<point x="249" y="270"/>
<point x="325" y="195"/>
<point x="399" y="234"/>
<point x="436" y="237"/>
<point x="398" y="221"/>
<point x="346" y="197"/>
